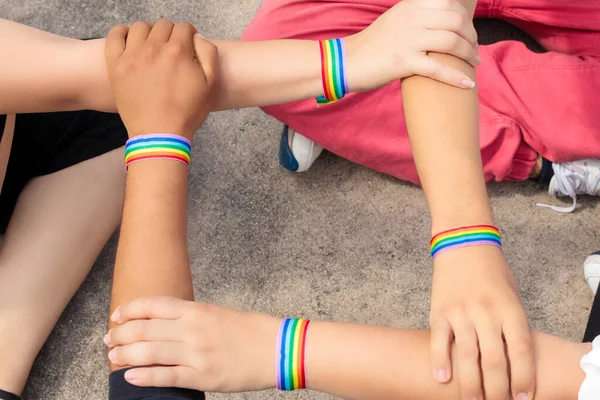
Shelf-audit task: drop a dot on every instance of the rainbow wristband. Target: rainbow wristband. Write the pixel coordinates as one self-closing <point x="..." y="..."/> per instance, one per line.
<point x="291" y="350"/>
<point x="334" y="70"/>
<point x="465" y="236"/>
<point x="158" y="146"/>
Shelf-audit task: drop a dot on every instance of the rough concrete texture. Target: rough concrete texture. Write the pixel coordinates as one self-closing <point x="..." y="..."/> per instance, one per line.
<point x="339" y="242"/>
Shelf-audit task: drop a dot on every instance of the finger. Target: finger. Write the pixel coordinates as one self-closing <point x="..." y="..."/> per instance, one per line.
<point x="115" y="43"/>
<point x="493" y="361"/>
<point x="150" y="308"/>
<point x="467" y="360"/>
<point x="183" y="35"/>
<point x="450" y="43"/>
<point x="181" y="377"/>
<point x="161" y="32"/>
<point x="441" y="342"/>
<point x="149" y="353"/>
<point x="521" y="356"/>
<point x="207" y="55"/>
<point x="427" y="66"/>
<point x="138" y="34"/>
<point x="143" y="330"/>
<point x="452" y="21"/>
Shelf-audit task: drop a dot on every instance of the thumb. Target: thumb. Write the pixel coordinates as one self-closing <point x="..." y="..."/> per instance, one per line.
<point x="115" y="43"/>
<point x="207" y="55"/>
<point x="441" y="342"/>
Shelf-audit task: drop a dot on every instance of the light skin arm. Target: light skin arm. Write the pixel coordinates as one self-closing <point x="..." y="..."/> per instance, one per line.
<point x="59" y="74"/>
<point x="213" y="348"/>
<point x="475" y="302"/>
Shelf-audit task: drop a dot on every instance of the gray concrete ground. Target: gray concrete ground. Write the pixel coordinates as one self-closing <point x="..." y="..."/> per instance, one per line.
<point x="339" y="242"/>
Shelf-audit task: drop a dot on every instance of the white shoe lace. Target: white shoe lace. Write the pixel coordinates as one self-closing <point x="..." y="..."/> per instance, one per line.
<point x="570" y="180"/>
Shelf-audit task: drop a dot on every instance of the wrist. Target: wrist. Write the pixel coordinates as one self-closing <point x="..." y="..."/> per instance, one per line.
<point x="355" y="45"/>
<point x="266" y="350"/>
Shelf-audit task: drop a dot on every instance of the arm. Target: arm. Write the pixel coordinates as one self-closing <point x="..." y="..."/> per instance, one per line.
<point x="474" y="297"/>
<point x="152" y="254"/>
<point x="230" y="351"/>
<point x="57" y="73"/>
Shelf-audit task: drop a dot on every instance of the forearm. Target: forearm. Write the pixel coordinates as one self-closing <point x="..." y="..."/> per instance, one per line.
<point x="252" y="74"/>
<point x="43" y="72"/>
<point x="361" y="361"/>
<point x="152" y="258"/>
<point x="40" y="71"/>
<point x="443" y="125"/>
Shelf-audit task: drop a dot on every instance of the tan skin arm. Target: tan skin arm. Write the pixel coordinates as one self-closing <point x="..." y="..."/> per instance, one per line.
<point x="475" y="303"/>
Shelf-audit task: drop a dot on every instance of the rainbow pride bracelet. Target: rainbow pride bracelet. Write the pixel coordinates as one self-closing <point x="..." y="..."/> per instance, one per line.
<point x="157" y="146"/>
<point x="334" y="70"/>
<point x="291" y="350"/>
<point x="465" y="236"/>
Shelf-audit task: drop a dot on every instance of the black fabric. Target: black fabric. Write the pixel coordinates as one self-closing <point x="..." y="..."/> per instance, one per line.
<point x="546" y="173"/>
<point x="120" y="389"/>
<point x="593" y="326"/>
<point x="8" y="396"/>
<point x="45" y="143"/>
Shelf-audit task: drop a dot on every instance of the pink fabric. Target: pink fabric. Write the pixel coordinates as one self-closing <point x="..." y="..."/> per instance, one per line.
<point x="529" y="103"/>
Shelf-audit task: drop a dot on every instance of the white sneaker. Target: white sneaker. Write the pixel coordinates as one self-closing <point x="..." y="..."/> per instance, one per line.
<point x="591" y="271"/>
<point x="573" y="178"/>
<point x="297" y="153"/>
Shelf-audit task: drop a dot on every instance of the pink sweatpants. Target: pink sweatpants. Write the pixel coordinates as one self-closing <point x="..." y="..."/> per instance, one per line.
<point x="530" y="103"/>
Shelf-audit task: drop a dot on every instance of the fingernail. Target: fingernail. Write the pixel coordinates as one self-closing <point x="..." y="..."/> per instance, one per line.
<point x="112" y="355"/>
<point x="468" y="83"/>
<point x="440" y="375"/>
<point x="107" y="339"/>
<point x="131" y="376"/>
<point x="477" y="59"/>
<point x="522" y="396"/>
<point x="115" y="316"/>
<point x="199" y="35"/>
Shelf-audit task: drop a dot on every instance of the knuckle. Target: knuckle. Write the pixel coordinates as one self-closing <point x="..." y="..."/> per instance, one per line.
<point x="521" y="349"/>
<point x="149" y="352"/>
<point x="470" y="388"/>
<point x="459" y="311"/>
<point x="185" y="25"/>
<point x="150" y="306"/>
<point x="494" y="364"/>
<point x="453" y="41"/>
<point x="140" y="25"/>
<point x="151" y="51"/>
<point x="124" y="68"/>
<point x="467" y="352"/>
<point x="175" y="49"/>
<point x="140" y="331"/>
<point x="164" y="21"/>
<point x="447" y="4"/>
<point x="174" y="378"/>
<point x="202" y="309"/>
<point x="152" y="377"/>
<point x="458" y="20"/>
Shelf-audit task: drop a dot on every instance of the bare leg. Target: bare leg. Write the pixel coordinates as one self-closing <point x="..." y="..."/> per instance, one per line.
<point x="60" y="225"/>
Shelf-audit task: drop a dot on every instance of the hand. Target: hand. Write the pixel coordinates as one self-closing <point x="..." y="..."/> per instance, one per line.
<point x="162" y="77"/>
<point x="475" y="301"/>
<point x="395" y="46"/>
<point x="193" y="345"/>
